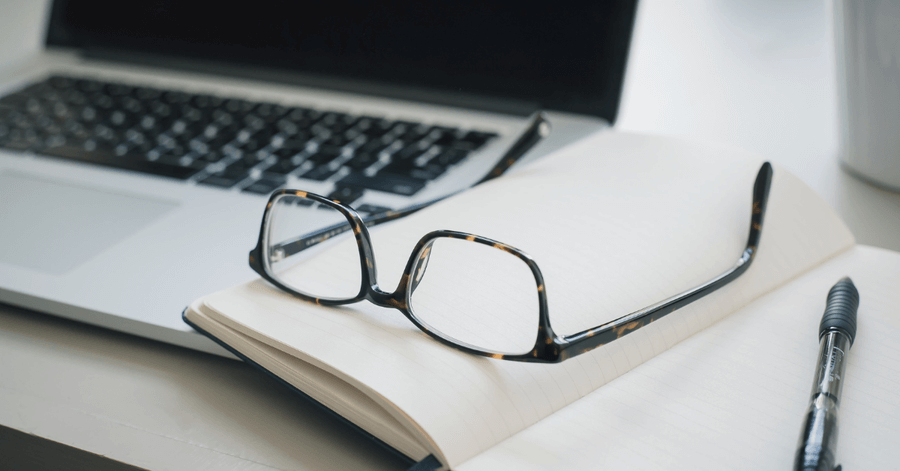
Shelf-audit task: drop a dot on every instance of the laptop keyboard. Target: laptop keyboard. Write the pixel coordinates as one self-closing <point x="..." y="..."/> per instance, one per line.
<point x="228" y="142"/>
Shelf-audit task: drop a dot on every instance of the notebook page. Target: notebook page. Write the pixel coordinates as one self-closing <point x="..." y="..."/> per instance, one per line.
<point x="616" y="222"/>
<point x="324" y="387"/>
<point x="734" y="396"/>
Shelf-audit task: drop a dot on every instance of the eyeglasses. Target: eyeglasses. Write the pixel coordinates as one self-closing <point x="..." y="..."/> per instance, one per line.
<point x="466" y="291"/>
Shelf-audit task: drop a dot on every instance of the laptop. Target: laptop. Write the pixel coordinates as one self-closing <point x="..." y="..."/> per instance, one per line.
<point x="139" y="146"/>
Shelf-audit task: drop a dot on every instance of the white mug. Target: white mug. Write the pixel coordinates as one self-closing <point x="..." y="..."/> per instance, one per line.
<point x="867" y="40"/>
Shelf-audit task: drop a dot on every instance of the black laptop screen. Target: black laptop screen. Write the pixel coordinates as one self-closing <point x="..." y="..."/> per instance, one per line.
<point x="566" y="56"/>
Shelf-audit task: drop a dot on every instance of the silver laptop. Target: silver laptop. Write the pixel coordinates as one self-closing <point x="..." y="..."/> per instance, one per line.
<point x="138" y="148"/>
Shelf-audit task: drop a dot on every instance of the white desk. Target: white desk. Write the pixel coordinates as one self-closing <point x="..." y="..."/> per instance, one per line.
<point x="745" y="73"/>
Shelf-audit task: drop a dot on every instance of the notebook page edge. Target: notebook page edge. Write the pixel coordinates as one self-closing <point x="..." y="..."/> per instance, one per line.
<point x="400" y="432"/>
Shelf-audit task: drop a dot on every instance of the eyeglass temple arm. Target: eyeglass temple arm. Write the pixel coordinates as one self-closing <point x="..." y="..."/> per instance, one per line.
<point x="306" y="241"/>
<point x="537" y="129"/>
<point x="590" y="339"/>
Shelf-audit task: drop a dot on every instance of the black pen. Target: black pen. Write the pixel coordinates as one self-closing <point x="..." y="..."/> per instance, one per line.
<point x="818" y="438"/>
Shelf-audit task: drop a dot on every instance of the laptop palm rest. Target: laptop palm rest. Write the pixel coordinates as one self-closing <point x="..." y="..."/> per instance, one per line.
<point x="56" y="226"/>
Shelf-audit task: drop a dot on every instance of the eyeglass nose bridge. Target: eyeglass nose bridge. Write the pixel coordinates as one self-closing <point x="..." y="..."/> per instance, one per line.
<point x="382" y="298"/>
<point x="409" y="281"/>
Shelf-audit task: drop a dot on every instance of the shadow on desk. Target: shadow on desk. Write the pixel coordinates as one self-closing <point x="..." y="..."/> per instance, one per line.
<point x="137" y="402"/>
<point x="22" y="451"/>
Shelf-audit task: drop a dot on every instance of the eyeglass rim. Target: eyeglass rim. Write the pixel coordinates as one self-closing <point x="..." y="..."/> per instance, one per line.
<point x="260" y="264"/>
<point x="544" y="337"/>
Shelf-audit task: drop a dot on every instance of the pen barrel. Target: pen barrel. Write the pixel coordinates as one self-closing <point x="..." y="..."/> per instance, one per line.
<point x="815" y="449"/>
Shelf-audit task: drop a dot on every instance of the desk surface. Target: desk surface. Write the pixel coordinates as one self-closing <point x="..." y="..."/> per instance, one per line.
<point x="749" y="74"/>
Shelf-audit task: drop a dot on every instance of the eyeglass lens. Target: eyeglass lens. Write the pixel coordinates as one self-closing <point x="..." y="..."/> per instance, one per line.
<point x="322" y="240"/>
<point x="476" y="294"/>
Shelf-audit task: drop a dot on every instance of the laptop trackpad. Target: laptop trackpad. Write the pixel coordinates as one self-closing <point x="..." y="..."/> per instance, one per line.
<point x="55" y="226"/>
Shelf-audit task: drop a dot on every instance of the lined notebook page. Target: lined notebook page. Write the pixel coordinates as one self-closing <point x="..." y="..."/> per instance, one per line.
<point x="735" y="395"/>
<point x="616" y="222"/>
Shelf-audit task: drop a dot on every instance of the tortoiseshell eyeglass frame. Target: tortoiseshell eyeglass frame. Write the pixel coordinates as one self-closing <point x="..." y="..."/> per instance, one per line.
<point x="548" y="347"/>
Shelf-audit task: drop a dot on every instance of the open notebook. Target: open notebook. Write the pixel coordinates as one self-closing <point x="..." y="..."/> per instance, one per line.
<point x="616" y="222"/>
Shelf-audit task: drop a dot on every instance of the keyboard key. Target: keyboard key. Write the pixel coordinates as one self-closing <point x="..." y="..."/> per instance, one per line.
<point x="375" y="145"/>
<point x="337" y="140"/>
<point x="324" y="155"/>
<point x="222" y="117"/>
<point x="176" y="97"/>
<point x="332" y="118"/>
<point x="410" y="132"/>
<point x="297" y="141"/>
<point x="386" y="182"/>
<point x="283" y="167"/>
<point x="287" y="127"/>
<point x="361" y="160"/>
<point x="249" y="146"/>
<point x="443" y="136"/>
<point x="238" y="106"/>
<point x="400" y="167"/>
<point x="410" y="152"/>
<point x="427" y="172"/>
<point x="270" y="112"/>
<point x="346" y="195"/>
<point x="473" y="140"/>
<point x="207" y="101"/>
<point x="147" y="93"/>
<point x="302" y="118"/>
<point x="449" y="157"/>
<point x="264" y="136"/>
<point x="239" y="168"/>
<point x="60" y="82"/>
<point x="320" y="173"/>
<point x="285" y="153"/>
<point x="221" y="181"/>
<point x="264" y="186"/>
<point x="89" y="85"/>
<point x="374" y="127"/>
<point x="212" y="156"/>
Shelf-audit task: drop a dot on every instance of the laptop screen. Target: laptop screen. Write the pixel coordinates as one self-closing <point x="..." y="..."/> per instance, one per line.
<point x="568" y="57"/>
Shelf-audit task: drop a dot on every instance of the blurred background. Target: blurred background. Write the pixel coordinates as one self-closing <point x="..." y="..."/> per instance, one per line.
<point x="758" y="75"/>
<point x="753" y="74"/>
